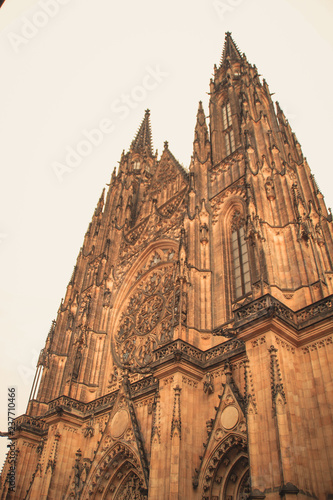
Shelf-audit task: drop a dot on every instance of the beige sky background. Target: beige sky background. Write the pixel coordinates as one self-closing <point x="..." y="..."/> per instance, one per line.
<point x="72" y="66"/>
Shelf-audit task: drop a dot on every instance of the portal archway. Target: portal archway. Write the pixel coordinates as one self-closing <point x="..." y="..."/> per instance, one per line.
<point x="116" y="476"/>
<point x="227" y="474"/>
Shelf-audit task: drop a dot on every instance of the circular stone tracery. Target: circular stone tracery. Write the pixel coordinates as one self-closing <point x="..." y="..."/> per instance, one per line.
<point x="147" y="318"/>
<point x="149" y="314"/>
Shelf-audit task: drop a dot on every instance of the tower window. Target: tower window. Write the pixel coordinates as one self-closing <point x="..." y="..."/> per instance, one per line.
<point x="240" y="257"/>
<point x="229" y="142"/>
<point x="229" y="137"/>
<point x="226" y="115"/>
<point x="136" y="165"/>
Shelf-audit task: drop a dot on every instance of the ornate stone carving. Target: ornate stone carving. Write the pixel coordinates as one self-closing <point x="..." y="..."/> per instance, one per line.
<point x="147" y="320"/>
<point x="176" y="424"/>
<point x="318" y="345"/>
<point x="285" y="345"/>
<point x="221" y="459"/>
<point x="237" y="221"/>
<point x="208" y="386"/>
<point x="89" y="430"/>
<point x="270" y="189"/>
<point x="322" y="307"/>
<point x="131" y="489"/>
<point x="258" y="341"/>
<point x="278" y="394"/>
<point x="168" y="209"/>
<point x="237" y="189"/>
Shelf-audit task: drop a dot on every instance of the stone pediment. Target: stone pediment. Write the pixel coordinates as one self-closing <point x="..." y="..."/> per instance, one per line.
<point x="120" y="465"/>
<point x="224" y="461"/>
<point x="169" y="174"/>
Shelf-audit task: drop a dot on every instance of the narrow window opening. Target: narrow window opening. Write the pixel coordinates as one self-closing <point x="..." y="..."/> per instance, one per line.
<point x="229" y="137"/>
<point x="240" y="257"/>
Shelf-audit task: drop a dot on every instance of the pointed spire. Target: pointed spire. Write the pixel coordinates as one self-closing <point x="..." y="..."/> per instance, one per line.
<point x="201" y="119"/>
<point x="201" y="141"/>
<point x="230" y="50"/>
<point x="100" y="204"/>
<point x="143" y="140"/>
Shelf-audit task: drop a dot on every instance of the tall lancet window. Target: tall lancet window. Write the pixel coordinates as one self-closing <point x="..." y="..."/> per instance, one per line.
<point x="240" y="257"/>
<point x="229" y="137"/>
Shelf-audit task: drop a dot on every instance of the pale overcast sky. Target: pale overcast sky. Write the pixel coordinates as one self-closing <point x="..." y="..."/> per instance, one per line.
<point x="71" y="66"/>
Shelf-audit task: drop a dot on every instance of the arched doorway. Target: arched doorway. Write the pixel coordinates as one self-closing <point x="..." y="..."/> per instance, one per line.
<point x="227" y="474"/>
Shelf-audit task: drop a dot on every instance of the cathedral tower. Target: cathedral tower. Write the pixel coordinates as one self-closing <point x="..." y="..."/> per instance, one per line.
<point x="190" y="357"/>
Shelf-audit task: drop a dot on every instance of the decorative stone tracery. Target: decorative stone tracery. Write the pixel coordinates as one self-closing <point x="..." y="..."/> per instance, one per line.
<point x="227" y="472"/>
<point x="147" y="319"/>
<point x="117" y="476"/>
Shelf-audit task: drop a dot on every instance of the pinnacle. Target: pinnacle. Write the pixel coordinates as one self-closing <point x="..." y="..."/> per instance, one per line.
<point x="200" y="109"/>
<point x="143" y="141"/>
<point x="201" y="119"/>
<point x="230" y="49"/>
<point x="201" y="138"/>
<point x="100" y="203"/>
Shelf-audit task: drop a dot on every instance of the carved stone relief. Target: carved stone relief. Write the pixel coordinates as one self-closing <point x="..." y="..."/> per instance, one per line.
<point x="147" y="317"/>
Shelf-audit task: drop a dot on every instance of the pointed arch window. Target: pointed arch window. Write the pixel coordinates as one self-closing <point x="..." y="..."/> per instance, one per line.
<point x="229" y="137"/>
<point x="226" y="115"/>
<point x="240" y="257"/>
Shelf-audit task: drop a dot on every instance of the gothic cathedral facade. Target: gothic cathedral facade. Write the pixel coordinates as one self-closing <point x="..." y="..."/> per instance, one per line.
<point x="191" y="357"/>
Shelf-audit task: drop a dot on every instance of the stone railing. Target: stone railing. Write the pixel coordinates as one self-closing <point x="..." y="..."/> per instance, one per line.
<point x="105" y="401"/>
<point x="322" y="308"/>
<point x="69" y="404"/>
<point x="35" y="425"/>
<point x="66" y="403"/>
<point x="264" y="306"/>
<point x="144" y="385"/>
<point x="269" y="306"/>
<point x="227" y="349"/>
<point x="178" y="349"/>
<point x="181" y="350"/>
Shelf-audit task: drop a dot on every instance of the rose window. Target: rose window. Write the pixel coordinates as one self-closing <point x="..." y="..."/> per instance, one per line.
<point x="146" y="321"/>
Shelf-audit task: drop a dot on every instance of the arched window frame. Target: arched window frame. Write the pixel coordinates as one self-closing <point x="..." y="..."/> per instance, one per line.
<point x="136" y="164"/>
<point x="229" y="136"/>
<point x="240" y="256"/>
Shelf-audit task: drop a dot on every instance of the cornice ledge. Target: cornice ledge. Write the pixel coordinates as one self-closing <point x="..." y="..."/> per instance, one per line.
<point x="267" y="306"/>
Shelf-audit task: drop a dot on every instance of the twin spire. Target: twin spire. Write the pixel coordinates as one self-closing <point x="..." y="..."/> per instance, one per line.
<point x="142" y="143"/>
<point x="143" y="140"/>
<point x="230" y="50"/>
